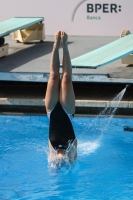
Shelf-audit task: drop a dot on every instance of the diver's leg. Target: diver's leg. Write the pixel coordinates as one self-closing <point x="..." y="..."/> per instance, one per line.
<point x="52" y="92"/>
<point x="67" y="96"/>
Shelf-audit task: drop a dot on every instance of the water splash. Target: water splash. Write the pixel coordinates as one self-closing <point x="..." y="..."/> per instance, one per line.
<point x="86" y="148"/>
<point x="99" y="125"/>
<point x="108" y="112"/>
<point x="63" y="165"/>
<point x="66" y="161"/>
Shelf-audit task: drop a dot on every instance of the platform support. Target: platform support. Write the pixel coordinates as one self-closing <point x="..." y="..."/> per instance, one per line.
<point x="127" y="60"/>
<point x="4" y="50"/>
<point x="30" y="33"/>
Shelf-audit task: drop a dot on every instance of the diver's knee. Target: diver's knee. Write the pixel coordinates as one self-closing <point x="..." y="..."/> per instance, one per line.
<point x="54" y="76"/>
<point x="66" y="78"/>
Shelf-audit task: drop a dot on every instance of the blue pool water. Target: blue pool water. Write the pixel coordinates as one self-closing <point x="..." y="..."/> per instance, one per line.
<point x="103" y="170"/>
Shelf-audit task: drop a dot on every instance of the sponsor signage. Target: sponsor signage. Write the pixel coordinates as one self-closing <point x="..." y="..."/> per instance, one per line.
<point x="106" y="8"/>
<point x="77" y="17"/>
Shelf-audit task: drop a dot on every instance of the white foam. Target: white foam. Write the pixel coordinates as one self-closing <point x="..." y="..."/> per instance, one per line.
<point x="86" y="148"/>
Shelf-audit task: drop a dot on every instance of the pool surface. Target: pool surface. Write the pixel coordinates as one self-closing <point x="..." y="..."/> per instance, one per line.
<point x="102" y="171"/>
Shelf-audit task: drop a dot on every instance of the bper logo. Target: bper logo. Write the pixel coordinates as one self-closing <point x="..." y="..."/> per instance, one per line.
<point x="106" y="8"/>
<point x="95" y="8"/>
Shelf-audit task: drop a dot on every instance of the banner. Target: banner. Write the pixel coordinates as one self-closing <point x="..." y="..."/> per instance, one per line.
<point x="76" y="17"/>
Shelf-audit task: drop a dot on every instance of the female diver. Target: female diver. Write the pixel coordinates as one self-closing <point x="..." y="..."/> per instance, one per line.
<point x="60" y="105"/>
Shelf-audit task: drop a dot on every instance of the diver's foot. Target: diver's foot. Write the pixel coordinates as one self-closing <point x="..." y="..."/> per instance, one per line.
<point x="57" y="38"/>
<point x="64" y="38"/>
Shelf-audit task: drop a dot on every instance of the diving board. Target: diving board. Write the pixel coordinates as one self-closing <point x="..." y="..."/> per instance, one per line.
<point x="17" y="23"/>
<point x="106" y="54"/>
<point x="24" y="29"/>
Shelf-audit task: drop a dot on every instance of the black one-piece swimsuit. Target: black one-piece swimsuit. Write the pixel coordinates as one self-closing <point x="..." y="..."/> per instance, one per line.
<point x="61" y="132"/>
